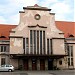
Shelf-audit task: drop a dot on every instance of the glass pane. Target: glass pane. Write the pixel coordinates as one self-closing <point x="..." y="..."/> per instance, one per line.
<point x="69" y="61"/>
<point x="41" y="42"/>
<point x="4" y="48"/>
<point x="38" y="42"/>
<point x="44" y="41"/>
<point x="48" y="46"/>
<point x="72" y="51"/>
<point x="34" y="42"/>
<point x="1" y="48"/>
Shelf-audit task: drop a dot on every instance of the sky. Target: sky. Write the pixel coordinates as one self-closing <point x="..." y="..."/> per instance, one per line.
<point x="9" y="9"/>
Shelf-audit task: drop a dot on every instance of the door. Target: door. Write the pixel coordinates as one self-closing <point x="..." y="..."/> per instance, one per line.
<point x="34" y="65"/>
<point x="50" y="64"/>
<point x="25" y="62"/>
<point x="42" y="64"/>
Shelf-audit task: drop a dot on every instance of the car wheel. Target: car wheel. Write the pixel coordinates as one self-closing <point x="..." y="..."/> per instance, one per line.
<point x="10" y="70"/>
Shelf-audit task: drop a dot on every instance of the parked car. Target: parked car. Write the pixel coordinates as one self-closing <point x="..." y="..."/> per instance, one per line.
<point x="7" y="67"/>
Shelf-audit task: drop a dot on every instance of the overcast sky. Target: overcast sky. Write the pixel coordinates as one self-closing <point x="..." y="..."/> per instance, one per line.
<point x="9" y="9"/>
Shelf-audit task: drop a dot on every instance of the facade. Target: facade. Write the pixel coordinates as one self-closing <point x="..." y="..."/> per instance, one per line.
<point x="38" y="42"/>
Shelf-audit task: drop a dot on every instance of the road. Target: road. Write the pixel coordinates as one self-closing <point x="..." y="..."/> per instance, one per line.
<point x="56" y="72"/>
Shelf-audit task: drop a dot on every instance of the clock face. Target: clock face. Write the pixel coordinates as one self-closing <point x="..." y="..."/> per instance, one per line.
<point x="37" y="16"/>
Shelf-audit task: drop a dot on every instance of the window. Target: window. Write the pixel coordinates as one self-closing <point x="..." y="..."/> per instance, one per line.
<point x="71" y="61"/>
<point x="71" y="35"/>
<point x="70" y="55"/>
<point x="37" y="41"/>
<point x="24" y="43"/>
<point x="41" y="42"/>
<point x="68" y="61"/>
<point x="31" y="47"/>
<point x="2" y="61"/>
<point x="71" y="50"/>
<point x="27" y="45"/>
<point x="34" y="41"/>
<point x="44" y="41"/>
<point x="3" y="48"/>
<point x="60" y="62"/>
<point x="48" y="46"/>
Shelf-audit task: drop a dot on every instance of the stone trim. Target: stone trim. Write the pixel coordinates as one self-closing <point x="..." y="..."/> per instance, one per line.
<point x="42" y="9"/>
<point x="37" y="26"/>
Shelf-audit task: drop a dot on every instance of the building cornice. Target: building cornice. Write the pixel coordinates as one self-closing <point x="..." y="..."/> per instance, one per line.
<point x="58" y="38"/>
<point x="15" y="37"/>
<point x="70" y="38"/>
<point x="42" y="9"/>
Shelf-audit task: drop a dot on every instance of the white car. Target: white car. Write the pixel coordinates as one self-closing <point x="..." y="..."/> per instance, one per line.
<point x="9" y="68"/>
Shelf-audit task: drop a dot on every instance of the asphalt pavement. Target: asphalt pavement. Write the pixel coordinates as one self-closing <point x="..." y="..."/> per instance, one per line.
<point x="52" y="72"/>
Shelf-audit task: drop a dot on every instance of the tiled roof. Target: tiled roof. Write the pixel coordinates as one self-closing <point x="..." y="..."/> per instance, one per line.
<point x="5" y="31"/>
<point x="67" y="27"/>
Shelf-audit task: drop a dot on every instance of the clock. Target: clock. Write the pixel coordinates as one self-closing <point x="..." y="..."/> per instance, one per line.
<point x="37" y="16"/>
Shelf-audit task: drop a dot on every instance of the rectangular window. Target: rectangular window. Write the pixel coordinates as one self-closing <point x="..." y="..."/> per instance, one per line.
<point x="31" y="46"/>
<point x="68" y="61"/>
<point x="47" y="46"/>
<point x="30" y="36"/>
<point x="1" y="48"/>
<point x="68" y="50"/>
<point x="44" y="41"/>
<point x="34" y="41"/>
<point x="70" y="55"/>
<point x="71" y="61"/>
<point x="40" y="42"/>
<point x="71" y="51"/>
<point x="4" y="48"/>
<point x="27" y="45"/>
<point x="24" y="44"/>
<point x="2" y="61"/>
<point x="37" y="42"/>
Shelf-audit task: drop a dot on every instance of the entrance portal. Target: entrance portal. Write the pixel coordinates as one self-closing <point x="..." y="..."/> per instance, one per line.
<point x="42" y="64"/>
<point x="50" y="64"/>
<point x="34" y="65"/>
<point x="25" y="62"/>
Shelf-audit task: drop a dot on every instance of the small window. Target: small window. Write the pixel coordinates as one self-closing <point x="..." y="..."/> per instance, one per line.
<point x="71" y="35"/>
<point x="1" y="48"/>
<point x="2" y="61"/>
<point x="60" y="62"/>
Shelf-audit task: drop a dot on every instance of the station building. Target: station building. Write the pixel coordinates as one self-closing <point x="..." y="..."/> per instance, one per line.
<point x="38" y="42"/>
